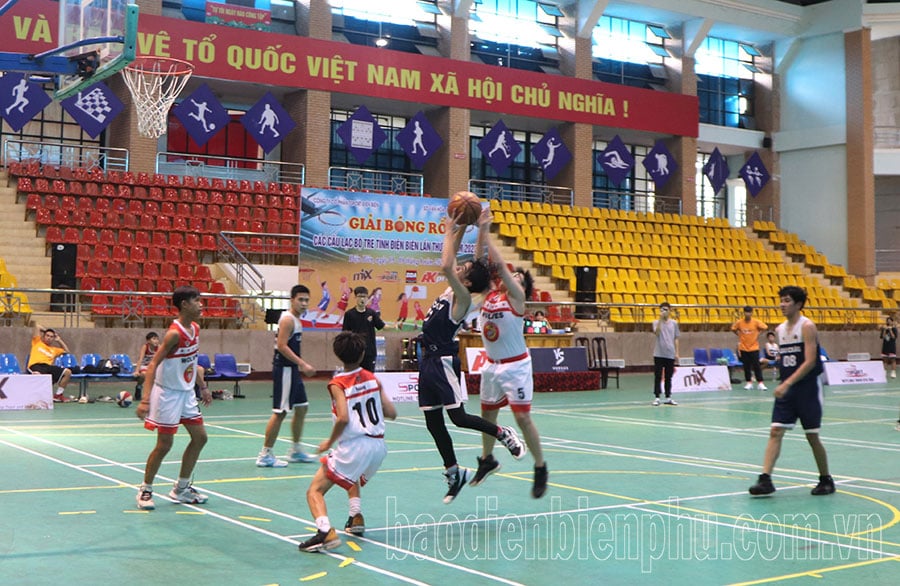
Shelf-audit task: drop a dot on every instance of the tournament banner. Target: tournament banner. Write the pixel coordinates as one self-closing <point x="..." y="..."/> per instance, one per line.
<point x="403" y="387"/>
<point x="390" y="244"/>
<point x="854" y="373"/>
<point x="689" y="379"/>
<point x="26" y="392"/>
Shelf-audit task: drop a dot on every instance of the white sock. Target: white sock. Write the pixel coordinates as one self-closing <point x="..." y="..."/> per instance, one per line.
<point x="298" y="447"/>
<point x="184" y="483"/>
<point x="355" y="506"/>
<point x="323" y="524"/>
<point x="147" y="487"/>
<point x="60" y="390"/>
<point x="265" y="451"/>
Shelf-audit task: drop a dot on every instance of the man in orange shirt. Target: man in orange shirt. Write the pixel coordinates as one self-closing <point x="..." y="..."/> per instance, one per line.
<point x="46" y="345"/>
<point x="748" y="331"/>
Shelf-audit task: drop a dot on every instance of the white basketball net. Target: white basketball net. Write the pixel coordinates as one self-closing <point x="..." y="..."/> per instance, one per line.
<point x="154" y="83"/>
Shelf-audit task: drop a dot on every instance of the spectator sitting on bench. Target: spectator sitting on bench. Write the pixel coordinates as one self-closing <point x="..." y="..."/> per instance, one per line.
<point x="46" y="345"/>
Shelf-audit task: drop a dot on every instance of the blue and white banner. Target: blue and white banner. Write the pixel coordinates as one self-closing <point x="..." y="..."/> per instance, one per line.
<point x="616" y="160"/>
<point x="568" y="359"/>
<point x="93" y="108"/>
<point x="854" y="373"/>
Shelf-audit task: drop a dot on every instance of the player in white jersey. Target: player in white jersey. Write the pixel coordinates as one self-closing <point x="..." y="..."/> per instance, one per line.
<point x="359" y="407"/>
<point x="799" y="394"/>
<point x="171" y="401"/>
<point x="507" y="379"/>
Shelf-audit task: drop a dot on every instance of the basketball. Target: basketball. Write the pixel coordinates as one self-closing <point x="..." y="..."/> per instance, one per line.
<point x="123" y="399"/>
<point x="465" y="206"/>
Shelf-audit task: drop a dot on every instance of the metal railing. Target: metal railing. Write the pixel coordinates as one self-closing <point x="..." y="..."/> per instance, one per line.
<point x="64" y="155"/>
<point x="505" y="190"/>
<point x="354" y="179"/>
<point x="246" y="275"/>
<point x="636" y="202"/>
<point x="219" y="167"/>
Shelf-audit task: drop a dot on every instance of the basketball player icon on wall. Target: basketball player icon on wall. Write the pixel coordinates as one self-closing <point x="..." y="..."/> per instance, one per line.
<point x="93" y="108"/>
<point x="202" y="115"/>
<point x="268" y="122"/>
<point x="499" y="147"/>
<point x="551" y="152"/>
<point x="20" y="100"/>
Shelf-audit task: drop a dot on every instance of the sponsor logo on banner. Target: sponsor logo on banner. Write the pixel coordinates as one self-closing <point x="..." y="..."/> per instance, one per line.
<point x="400" y="387"/>
<point x="688" y="379"/>
<point x="573" y="359"/>
<point x="412" y="276"/>
<point x="854" y="373"/>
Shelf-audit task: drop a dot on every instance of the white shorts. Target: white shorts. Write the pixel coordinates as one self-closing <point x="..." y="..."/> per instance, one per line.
<point x="509" y="383"/>
<point x="355" y="460"/>
<point x="170" y="408"/>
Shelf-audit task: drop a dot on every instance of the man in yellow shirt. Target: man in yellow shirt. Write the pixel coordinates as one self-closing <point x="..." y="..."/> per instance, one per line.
<point x="46" y="345"/>
<point x="748" y="331"/>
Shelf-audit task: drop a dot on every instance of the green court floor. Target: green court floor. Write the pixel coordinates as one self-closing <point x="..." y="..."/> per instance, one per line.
<point x="638" y="495"/>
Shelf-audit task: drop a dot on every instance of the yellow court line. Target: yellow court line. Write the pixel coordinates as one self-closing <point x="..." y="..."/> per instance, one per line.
<point x="261" y="519"/>
<point x="190" y="513"/>
<point x="346" y="562"/>
<point x="77" y="512"/>
<point x="131" y="512"/>
<point x="352" y="545"/>
<point x="314" y="576"/>
<point x="63" y="489"/>
<point x="815" y="573"/>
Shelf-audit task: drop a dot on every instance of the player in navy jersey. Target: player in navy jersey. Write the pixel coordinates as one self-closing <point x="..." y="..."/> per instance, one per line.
<point x="288" y="390"/>
<point x="439" y="369"/>
<point x="799" y="394"/>
<point x="359" y="407"/>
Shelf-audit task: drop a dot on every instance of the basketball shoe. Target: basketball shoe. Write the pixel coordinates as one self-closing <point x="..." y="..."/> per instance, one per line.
<point x="321" y="540"/>
<point x="268" y="460"/>
<point x="355" y="524"/>
<point x="825" y="486"/>
<point x="187" y="495"/>
<point x="456" y="479"/>
<point x="763" y="486"/>
<point x="486" y="466"/>
<point x="509" y="438"/>
<point x="540" y="481"/>
<point x="145" y="500"/>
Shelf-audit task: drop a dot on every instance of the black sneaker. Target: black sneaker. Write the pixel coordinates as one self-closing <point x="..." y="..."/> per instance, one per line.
<point x="763" y="486"/>
<point x="456" y="480"/>
<point x="355" y="524"/>
<point x="509" y="438"/>
<point x="137" y="391"/>
<point x="825" y="486"/>
<point x="540" y="481"/>
<point x="321" y="540"/>
<point x="486" y="467"/>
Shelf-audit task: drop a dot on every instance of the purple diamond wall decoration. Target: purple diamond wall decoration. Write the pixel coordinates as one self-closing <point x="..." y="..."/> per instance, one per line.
<point x="419" y="140"/>
<point x="361" y="134"/>
<point x="616" y="160"/>
<point x="660" y="164"/>
<point x="499" y="147"/>
<point x="551" y="153"/>
<point x="754" y="174"/>
<point x="716" y="170"/>
<point x="20" y="100"/>
<point x="268" y="122"/>
<point x="93" y="108"/>
<point x="202" y="115"/>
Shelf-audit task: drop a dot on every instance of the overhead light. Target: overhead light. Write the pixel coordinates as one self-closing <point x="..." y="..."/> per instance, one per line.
<point x="381" y="42"/>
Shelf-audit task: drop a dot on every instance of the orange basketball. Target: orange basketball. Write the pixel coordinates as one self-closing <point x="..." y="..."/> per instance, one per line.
<point x="465" y="206"/>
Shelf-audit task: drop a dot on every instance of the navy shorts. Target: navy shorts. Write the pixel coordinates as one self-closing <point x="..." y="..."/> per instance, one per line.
<point x="439" y="384"/>
<point x="288" y="390"/>
<point x="803" y="402"/>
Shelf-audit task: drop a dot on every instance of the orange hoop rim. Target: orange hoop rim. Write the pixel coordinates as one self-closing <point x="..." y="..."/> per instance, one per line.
<point x="145" y="65"/>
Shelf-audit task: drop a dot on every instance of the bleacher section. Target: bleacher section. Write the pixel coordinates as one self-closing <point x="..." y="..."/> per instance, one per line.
<point x="701" y="263"/>
<point x="151" y="232"/>
<point x="14" y="307"/>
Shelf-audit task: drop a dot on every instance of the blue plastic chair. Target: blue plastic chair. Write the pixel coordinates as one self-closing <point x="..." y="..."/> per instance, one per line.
<point x="728" y="354"/>
<point x="701" y="357"/>
<point x="226" y="369"/>
<point x="204" y="362"/>
<point x="92" y="360"/>
<point x="9" y="364"/>
<point x="126" y="367"/>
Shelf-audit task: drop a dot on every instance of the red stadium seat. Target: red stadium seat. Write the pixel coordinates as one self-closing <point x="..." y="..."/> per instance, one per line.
<point x="126" y="284"/>
<point x="202" y="273"/>
<point x="101" y="252"/>
<point x="97" y="219"/>
<point x="71" y="236"/>
<point x="173" y="255"/>
<point x="54" y="234"/>
<point x="176" y="240"/>
<point x="95" y="269"/>
<point x="152" y="208"/>
<point x="168" y="271"/>
<point x="150" y="270"/>
<point x="189" y="256"/>
<point x="114" y="269"/>
<point x="146" y="285"/>
<point x="89" y="237"/>
<point x="87" y="283"/>
<point x="208" y="242"/>
<point x="186" y="272"/>
<point x="160" y="240"/>
<point x="155" y="255"/>
<point x="119" y="253"/>
<point x="191" y="241"/>
<point x="79" y="218"/>
<point x="107" y="237"/>
<point x="138" y="254"/>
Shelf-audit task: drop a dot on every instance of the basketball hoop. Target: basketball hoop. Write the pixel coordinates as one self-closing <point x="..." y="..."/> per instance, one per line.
<point x="154" y="83"/>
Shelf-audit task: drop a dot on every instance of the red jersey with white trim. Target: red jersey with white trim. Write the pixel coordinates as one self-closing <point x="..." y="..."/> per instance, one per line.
<point x="501" y="328"/>
<point x="363" y="394"/>
<point x="178" y="370"/>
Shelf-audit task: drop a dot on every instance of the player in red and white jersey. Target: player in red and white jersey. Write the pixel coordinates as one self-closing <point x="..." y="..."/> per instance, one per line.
<point x="359" y="407"/>
<point x="171" y="401"/>
<point x="507" y="379"/>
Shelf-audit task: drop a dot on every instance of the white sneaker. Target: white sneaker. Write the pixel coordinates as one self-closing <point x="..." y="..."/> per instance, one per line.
<point x="761" y="387"/>
<point x="670" y="401"/>
<point x="187" y="495"/>
<point x="748" y="386"/>
<point x="893" y="374"/>
<point x="270" y="461"/>
<point x="145" y="500"/>
<point x="655" y="402"/>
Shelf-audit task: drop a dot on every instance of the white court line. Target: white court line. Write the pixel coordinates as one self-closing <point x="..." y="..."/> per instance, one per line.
<point x="416" y="555"/>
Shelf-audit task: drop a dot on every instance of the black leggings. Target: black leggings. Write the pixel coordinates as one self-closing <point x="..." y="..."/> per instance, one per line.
<point x="437" y="427"/>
